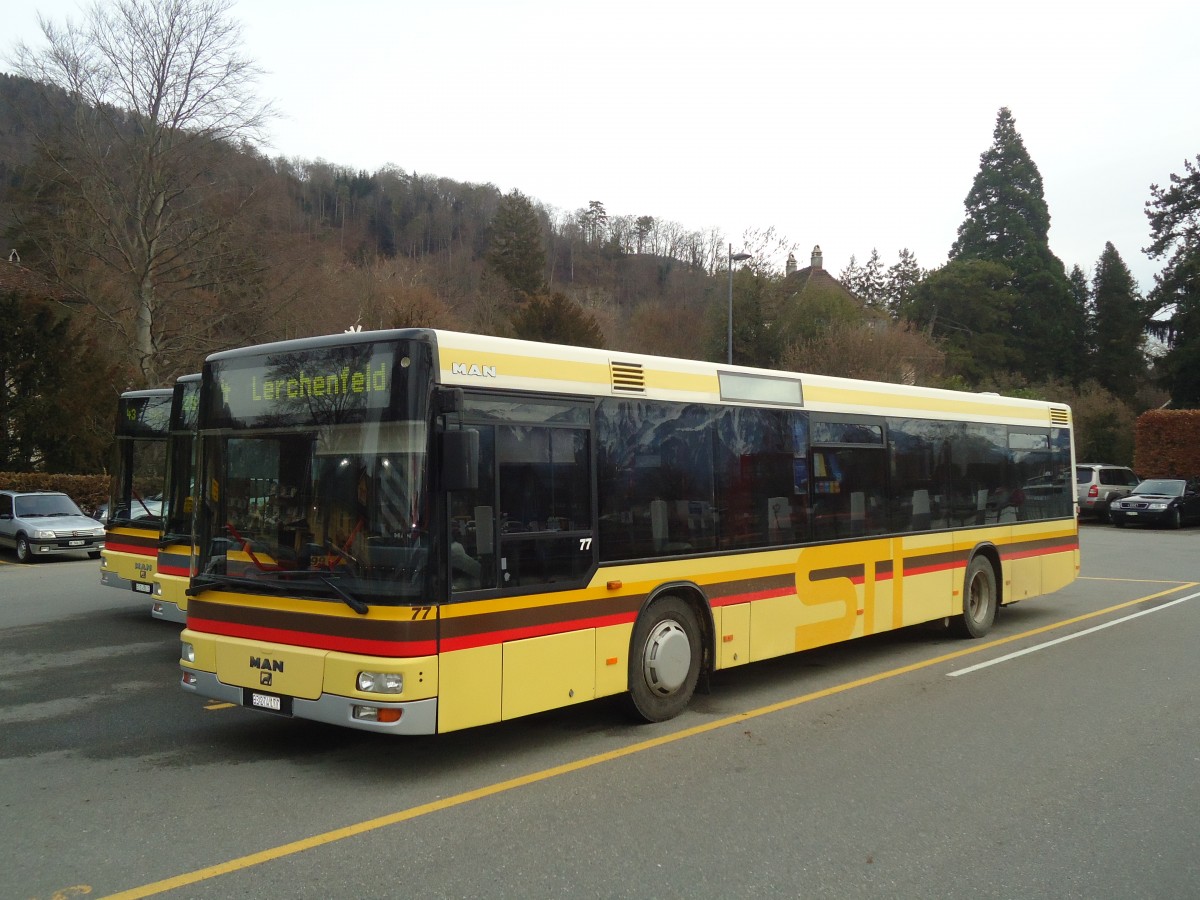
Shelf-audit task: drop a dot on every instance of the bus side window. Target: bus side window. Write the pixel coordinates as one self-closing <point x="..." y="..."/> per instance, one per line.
<point x="472" y="524"/>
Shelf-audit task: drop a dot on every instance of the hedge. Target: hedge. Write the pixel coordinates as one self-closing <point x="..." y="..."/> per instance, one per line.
<point x="1166" y="444"/>
<point x="88" y="491"/>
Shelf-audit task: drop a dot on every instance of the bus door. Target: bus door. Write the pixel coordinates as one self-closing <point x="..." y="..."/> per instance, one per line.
<point x="528" y="526"/>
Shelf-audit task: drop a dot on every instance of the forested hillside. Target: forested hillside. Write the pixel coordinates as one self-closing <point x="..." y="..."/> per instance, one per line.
<point x="172" y="236"/>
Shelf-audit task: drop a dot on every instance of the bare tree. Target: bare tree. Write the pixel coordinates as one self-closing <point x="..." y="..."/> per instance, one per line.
<point x="139" y="167"/>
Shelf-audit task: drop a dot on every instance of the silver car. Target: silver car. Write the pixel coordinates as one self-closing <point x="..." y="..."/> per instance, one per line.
<point x="1098" y="485"/>
<point x="46" y="523"/>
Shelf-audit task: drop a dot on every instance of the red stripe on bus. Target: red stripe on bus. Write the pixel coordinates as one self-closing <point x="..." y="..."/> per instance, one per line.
<point x="1040" y="551"/>
<point x="179" y="571"/>
<point x="486" y="639"/>
<point x="734" y="599"/>
<point x="394" y="649"/>
<point x="148" y="552"/>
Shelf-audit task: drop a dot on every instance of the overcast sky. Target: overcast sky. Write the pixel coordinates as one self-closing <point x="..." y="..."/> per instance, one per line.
<point x="853" y="125"/>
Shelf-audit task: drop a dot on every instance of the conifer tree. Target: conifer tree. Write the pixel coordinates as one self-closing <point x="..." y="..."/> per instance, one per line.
<point x="555" y="318"/>
<point x="1117" y="326"/>
<point x="1008" y="222"/>
<point x="901" y="279"/>
<point x="1174" y="214"/>
<point x="516" y="252"/>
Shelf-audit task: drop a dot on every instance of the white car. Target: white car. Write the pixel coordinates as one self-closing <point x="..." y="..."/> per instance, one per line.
<point x="46" y="523"/>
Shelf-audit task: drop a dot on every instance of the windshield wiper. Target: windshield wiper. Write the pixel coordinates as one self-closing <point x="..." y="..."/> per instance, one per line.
<point x="202" y="583"/>
<point x="350" y="600"/>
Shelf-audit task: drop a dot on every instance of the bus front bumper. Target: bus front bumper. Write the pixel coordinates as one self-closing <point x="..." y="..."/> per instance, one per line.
<point x="416" y="716"/>
<point x="168" y="611"/>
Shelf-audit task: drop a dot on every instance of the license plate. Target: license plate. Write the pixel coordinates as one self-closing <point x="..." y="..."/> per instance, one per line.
<point x="75" y="543"/>
<point x="142" y="587"/>
<point x="273" y="703"/>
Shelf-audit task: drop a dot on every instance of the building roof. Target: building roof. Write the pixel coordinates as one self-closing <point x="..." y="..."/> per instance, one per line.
<point x="17" y="279"/>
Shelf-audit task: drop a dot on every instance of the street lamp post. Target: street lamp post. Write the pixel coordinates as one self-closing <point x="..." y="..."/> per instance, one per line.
<point x="733" y="257"/>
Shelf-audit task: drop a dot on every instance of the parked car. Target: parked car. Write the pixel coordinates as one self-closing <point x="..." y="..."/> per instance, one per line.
<point x="143" y="510"/>
<point x="46" y="523"/>
<point x="1159" y="501"/>
<point x="1097" y="485"/>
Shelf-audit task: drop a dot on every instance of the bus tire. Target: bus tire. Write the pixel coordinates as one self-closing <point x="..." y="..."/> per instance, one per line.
<point x="665" y="655"/>
<point x="979" y="600"/>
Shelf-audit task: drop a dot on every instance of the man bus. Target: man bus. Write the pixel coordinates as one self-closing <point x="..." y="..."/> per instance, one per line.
<point x="175" y="546"/>
<point x="134" y="517"/>
<point x="418" y="531"/>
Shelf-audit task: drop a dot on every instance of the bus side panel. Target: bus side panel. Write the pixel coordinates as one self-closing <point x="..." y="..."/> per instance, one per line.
<point x="612" y="659"/>
<point x="930" y="575"/>
<point x="1022" y="567"/>
<point x="733" y="634"/>
<point x="548" y="672"/>
<point x="469" y="687"/>
<point x="773" y="627"/>
<point x="829" y="585"/>
<point x="1061" y="568"/>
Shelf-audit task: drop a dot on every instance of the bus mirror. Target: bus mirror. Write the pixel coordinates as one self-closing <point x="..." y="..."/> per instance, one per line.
<point x="448" y="400"/>
<point x="460" y="460"/>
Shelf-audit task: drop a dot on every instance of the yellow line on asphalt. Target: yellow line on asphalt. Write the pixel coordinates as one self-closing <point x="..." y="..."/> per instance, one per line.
<point x="415" y="812"/>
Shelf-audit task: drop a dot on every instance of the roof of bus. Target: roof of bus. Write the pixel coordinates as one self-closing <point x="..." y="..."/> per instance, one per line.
<point x="146" y="392"/>
<point x="483" y="361"/>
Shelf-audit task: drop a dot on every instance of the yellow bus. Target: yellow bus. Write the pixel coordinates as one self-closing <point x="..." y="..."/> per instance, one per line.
<point x="175" y="545"/>
<point x="418" y="531"/>
<point x="133" y="520"/>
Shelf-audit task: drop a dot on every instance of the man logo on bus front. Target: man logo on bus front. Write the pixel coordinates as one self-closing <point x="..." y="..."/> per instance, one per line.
<point x="264" y="678"/>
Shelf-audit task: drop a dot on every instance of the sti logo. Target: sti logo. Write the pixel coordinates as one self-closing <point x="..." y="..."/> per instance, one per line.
<point x="473" y="370"/>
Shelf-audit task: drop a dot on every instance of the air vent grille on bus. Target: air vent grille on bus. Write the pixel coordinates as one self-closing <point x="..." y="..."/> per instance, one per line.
<point x="1059" y="416"/>
<point x="628" y="377"/>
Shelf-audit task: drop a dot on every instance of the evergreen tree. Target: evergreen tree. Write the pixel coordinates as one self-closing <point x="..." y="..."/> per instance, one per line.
<point x="1008" y="222"/>
<point x="516" y="253"/>
<point x="872" y="283"/>
<point x="1174" y="214"/>
<point x="967" y="304"/>
<point x="1081" y="306"/>
<point x="555" y="318"/>
<point x="851" y="275"/>
<point x="1117" y="328"/>
<point x="901" y="279"/>
<point x="48" y="422"/>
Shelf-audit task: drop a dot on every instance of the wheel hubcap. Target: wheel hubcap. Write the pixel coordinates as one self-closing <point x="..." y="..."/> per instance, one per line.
<point x="667" y="657"/>
<point x="978" y="599"/>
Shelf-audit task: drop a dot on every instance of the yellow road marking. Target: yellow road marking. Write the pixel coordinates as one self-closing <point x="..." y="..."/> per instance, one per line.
<point x="491" y="790"/>
<point x="215" y="705"/>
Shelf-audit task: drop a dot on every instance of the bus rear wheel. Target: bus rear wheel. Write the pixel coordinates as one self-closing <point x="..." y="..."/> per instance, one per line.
<point x="665" y="655"/>
<point x="979" y="600"/>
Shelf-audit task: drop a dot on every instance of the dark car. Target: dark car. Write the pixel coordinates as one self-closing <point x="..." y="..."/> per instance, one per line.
<point x="46" y="523"/>
<point x="1158" y="501"/>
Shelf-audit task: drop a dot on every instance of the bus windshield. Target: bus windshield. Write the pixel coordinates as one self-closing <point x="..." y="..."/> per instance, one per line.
<point x="328" y="499"/>
<point x="135" y="496"/>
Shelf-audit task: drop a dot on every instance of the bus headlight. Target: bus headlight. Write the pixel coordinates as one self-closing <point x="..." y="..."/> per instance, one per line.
<point x="381" y="682"/>
<point x="187" y="652"/>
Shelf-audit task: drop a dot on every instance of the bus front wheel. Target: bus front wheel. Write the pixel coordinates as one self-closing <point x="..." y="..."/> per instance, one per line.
<point x="665" y="656"/>
<point x="979" y="600"/>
